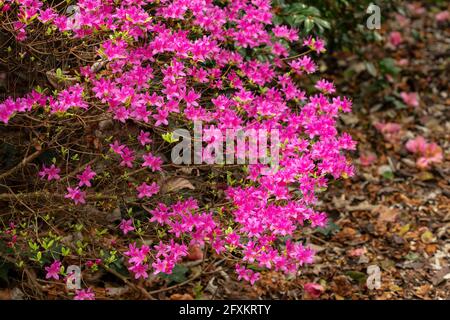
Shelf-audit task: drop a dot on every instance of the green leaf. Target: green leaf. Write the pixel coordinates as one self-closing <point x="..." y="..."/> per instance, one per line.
<point x="370" y="67"/>
<point x="388" y="66"/>
<point x="65" y="251"/>
<point x="357" y="276"/>
<point x="168" y="137"/>
<point x="388" y="175"/>
<point x="323" y="23"/>
<point x="329" y="229"/>
<point x="309" y="24"/>
<point x="277" y="20"/>
<point x="178" y="274"/>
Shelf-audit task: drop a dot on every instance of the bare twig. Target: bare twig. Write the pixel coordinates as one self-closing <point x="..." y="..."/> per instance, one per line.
<point x="46" y="194"/>
<point x="132" y="285"/>
<point x="22" y="164"/>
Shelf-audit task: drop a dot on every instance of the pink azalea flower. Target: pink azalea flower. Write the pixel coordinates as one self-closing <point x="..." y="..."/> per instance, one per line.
<point x="318" y="45"/>
<point x="144" y="138"/>
<point x="285" y="32"/>
<point x="52" y="173"/>
<point x="403" y="62"/>
<point x="76" y="195"/>
<point x="139" y="270"/>
<point x="401" y="20"/>
<point x="199" y="73"/>
<point x="191" y="98"/>
<point x="325" y="86"/>
<point x="47" y="15"/>
<point x="357" y="252"/>
<point x="137" y="255"/>
<point x="303" y="64"/>
<point x="391" y="131"/>
<point x="247" y="274"/>
<point x="417" y="145"/>
<point x="152" y="162"/>
<point x="161" y="118"/>
<point x="433" y="154"/>
<point x="162" y="266"/>
<point x="126" y="226"/>
<point x="416" y="8"/>
<point x="121" y="114"/>
<point x="318" y="220"/>
<point x="53" y="270"/>
<point x="86" y="176"/>
<point x="117" y="148"/>
<point x="127" y="157"/>
<point x="85" y="294"/>
<point x="146" y="190"/>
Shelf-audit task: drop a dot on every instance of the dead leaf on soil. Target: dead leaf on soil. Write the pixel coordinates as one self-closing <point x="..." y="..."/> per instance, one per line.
<point x="175" y="184"/>
<point x="178" y="296"/>
<point x="386" y="214"/>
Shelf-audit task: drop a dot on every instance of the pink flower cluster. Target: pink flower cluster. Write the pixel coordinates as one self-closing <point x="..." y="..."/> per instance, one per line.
<point x="176" y="61"/>
<point x="410" y="98"/>
<point x="85" y="294"/>
<point x="391" y="131"/>
<point x="428" y="153"/>
<point x="84" y="178"/>
<point x="52" y="173"/>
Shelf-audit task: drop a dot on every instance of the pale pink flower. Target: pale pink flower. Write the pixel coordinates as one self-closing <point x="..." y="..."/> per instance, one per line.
<point x="367" y="159"/>
<point x="410" y="98"/>
<point x="160" y="266"/>
<point x="433" y="154"/>
<point x="429" y="153"/>
<point x="443" y="16"/>
<point x="357" y="252"/>
<point x="416" y="8"/>
<point x="395" y="38"/>
<point x="402" y="62"/>
<point x="388" y="127"/>
<point x="314" y="290"/>
<point x="417" y="145"/>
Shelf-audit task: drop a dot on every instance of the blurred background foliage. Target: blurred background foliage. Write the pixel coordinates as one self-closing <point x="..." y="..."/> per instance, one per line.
<point x="341" y="22"/>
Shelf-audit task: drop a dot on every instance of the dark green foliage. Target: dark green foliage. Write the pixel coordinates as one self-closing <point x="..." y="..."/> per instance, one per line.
<point x="341" y="22"/>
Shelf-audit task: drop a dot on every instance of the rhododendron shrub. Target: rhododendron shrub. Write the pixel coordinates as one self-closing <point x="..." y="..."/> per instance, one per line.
<point x="143" y="69"/>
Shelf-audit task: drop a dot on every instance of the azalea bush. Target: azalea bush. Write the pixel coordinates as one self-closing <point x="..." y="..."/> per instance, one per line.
<point x="88" y="178"/>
